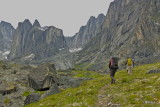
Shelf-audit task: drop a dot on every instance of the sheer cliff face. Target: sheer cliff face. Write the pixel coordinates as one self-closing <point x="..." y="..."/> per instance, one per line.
<point x="86" y="33"/>
<point x="131" y="28"/>
<point x="6" y="36"/>
<point x="35" y="41"/>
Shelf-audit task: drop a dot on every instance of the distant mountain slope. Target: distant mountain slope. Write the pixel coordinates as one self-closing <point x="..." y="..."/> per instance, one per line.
<point x="131" y="28"/>
<point x="86" y="33"/>
<point x="35" y="42"/>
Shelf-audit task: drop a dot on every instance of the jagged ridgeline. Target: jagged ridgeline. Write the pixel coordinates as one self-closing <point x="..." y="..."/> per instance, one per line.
<point x="85" y="34"/>
<point x="36" y="42"/>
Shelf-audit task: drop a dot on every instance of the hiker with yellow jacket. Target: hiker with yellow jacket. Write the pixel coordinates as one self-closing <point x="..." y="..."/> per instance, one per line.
<point x="130" y="65"/>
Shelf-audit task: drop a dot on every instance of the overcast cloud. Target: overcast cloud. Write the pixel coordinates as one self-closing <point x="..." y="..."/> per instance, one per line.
<point x="68" y="15"/>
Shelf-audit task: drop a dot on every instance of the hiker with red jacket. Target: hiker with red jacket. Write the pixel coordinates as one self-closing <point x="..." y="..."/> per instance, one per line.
<point x="113" y="66"/>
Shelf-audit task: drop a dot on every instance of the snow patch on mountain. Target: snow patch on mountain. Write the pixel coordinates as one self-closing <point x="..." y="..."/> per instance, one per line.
<point x="6" y="53"/>
<point x="75" y="50"/>
<point x="29" y="57"/>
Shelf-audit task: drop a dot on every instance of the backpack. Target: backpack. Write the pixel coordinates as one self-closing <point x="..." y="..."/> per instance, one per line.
<point x="129" y="62"/>
<point x="114" y="63"/>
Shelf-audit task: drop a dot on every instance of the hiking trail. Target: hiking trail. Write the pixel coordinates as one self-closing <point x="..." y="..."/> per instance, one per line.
<point x="104" y="99"/>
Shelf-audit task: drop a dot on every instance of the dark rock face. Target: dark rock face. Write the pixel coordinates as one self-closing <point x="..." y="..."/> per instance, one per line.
<point x="154" y="71"/>
<point x="86" y="33"/>
<point x="6" y="36"/>
<point x="32" y="98"/>
<point x="131" y="28"/>
<point x="43" y="77"/>
<point x="19" y="39"/>
<point x="53" y="90"/>
<point x="33" y="42"/>
<point x="36" y="24"/>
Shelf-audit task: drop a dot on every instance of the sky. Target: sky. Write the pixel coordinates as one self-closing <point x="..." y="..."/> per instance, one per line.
<point x="68" y="15"/>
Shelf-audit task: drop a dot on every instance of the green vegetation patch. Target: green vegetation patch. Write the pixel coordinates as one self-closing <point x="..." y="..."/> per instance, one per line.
<point x="7" y="101"/>
<point x="86" y="74"/>
<point x="26" y="93"/>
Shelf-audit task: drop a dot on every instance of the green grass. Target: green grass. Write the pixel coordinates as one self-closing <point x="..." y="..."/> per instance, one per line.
<point x="86" y="74"/>
<point x="26" y="93"/>
<point x="7" y="101"/>
<point x="83" y="67"/>
<point x="80" y="74"/>
<point x="1" y="64"/>
<point x="138" y="90"/>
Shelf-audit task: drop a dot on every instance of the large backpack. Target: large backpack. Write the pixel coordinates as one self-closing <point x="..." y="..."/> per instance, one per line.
<point x="129" y="62"/>
<point x="114" y="63"/>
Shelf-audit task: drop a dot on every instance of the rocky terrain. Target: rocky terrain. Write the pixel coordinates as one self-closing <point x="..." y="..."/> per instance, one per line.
<point x="6" y="36"/>
<point x="13" y="83"/>
<point x="24" y="84"/>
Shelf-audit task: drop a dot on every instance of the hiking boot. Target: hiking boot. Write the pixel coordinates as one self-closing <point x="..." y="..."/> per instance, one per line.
<point x="113" y="81"/>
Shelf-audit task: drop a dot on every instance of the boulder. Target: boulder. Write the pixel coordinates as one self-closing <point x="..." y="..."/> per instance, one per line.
<point x="154" y="71"/>
<point x="7" y="88"/>
<point x="32" y="98"/>
<point x="42" y="77"/>
<point x="53" y="90"/>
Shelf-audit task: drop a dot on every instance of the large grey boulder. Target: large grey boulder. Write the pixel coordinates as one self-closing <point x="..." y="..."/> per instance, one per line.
<point x="42" y="77"/>
<point x="154" y="71"/>
<point x="7" y="88"/>
<point x="53" y="90"/>
<point x="32" y="98"/>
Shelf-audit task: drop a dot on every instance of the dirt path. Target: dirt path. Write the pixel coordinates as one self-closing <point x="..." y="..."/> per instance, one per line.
<point x="102" y="97"/>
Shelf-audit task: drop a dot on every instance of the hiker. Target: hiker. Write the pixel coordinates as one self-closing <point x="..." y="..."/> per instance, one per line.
<point x="133" y="62"/>
<point x="113" y="66"/>
<point x="130" y="65"/>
